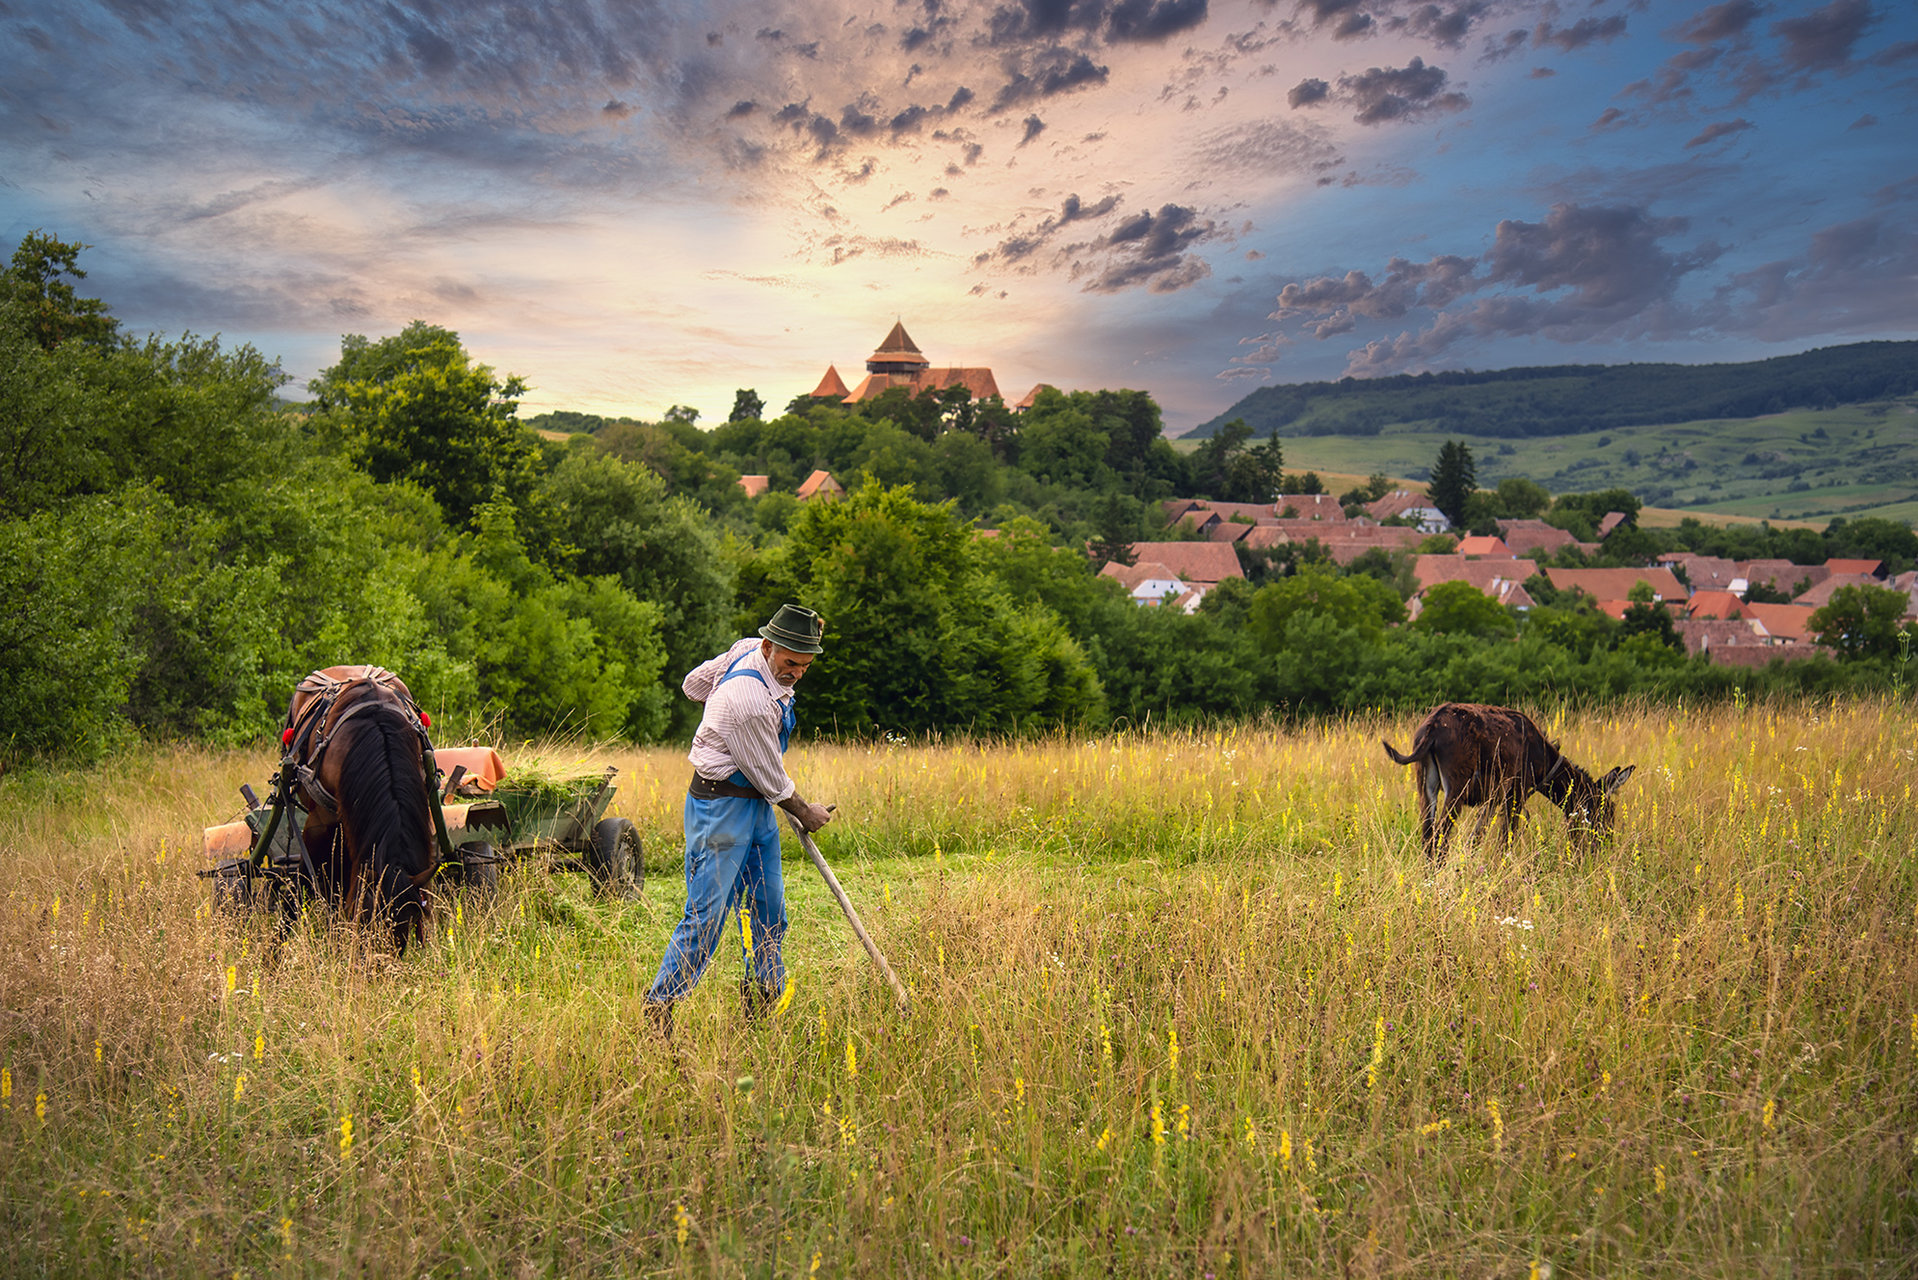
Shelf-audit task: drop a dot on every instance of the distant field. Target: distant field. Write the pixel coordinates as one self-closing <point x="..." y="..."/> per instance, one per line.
<point x="1807" y="465"/>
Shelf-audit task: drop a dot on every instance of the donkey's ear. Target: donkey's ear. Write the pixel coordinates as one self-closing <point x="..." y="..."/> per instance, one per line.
<point x="1617" y="778"/>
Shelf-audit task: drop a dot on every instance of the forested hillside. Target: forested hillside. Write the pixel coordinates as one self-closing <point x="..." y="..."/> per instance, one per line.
<point x="1567" y="399"/>
<point x="178" y="547"/>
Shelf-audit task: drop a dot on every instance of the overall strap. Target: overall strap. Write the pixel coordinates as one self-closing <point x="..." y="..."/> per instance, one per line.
<point x="788" y="717"/>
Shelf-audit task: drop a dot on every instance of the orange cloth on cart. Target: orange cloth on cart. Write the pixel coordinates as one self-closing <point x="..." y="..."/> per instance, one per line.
<point x="484" y="768"/>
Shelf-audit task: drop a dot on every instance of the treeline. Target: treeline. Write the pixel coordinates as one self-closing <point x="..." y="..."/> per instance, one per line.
<point x="177" y="547"/>
<point x="1567" y="399"/>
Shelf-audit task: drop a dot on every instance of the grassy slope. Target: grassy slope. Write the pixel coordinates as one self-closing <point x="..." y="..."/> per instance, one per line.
<point x="1694" y="1053"/>
<point x="1866" y="463"/>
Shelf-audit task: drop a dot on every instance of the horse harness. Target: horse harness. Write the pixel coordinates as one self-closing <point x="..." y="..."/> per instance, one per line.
<point x="318" y="723"/>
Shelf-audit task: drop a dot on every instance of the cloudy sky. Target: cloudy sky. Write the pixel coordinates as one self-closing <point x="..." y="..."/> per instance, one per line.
<point x="636" y="203"/>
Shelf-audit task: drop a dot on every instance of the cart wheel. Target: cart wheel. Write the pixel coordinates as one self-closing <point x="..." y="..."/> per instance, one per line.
<point x="477" y="869"/>
<point x="619" y="869"/>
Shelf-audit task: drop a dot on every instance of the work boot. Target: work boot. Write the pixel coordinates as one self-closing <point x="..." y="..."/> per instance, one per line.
<point x="756" y="1000"/>
<point x="659" y="1016"/>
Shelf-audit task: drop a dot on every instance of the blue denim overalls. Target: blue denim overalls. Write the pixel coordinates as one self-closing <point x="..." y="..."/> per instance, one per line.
<point x="732" y="854"/>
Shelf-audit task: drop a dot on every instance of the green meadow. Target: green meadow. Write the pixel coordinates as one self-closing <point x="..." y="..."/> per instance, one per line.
<point x="1182" y="1003"/>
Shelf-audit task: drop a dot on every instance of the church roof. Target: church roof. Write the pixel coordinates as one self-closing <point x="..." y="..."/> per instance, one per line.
<point x="898" y="348"/>
<point x="832" y="385"/>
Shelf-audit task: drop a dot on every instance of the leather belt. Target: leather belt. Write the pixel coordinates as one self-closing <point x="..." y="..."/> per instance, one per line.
<point x="707" y="789"/>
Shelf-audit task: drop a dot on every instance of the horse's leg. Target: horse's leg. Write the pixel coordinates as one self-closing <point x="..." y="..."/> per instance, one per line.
<point x="1429" y="790"/>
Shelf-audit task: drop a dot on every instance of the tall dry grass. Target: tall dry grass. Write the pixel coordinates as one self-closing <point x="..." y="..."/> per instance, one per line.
<point x="1183" y="1003"/>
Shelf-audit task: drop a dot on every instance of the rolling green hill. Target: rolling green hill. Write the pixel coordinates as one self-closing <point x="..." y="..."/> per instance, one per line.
<point x="1572" y="399"/>
<point x="1809" y="465"/>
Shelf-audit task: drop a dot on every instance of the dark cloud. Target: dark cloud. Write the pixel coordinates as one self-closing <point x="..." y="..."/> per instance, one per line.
<point x="1307" y="93"/>
<point x="1581" y="33"/>
<point x="1865" y="121"/>
<point x="1151" y="249"/>
<point x="1823" y="38"/>
<point x="1034" y="126"/>
<point x="1541" y="73"/>
<point x="1446" y="28"/>
<point x="1151" y="20"/>
<point x="617" y="110"/>
<point x="1719" y="129"/>
<point x="1609" y="118"/>
<point x="1399" y="93"/>
<point x="1855" y="277"/>
<point x="1584" y="272"/>
<point x="1045" y="73"/>
<point x="1352" y="26"/>
<point x="744" y="107"/>
<point x="1727" y="21"/>
<point x="1115" y="21"/>
<point x="1025" y="244"/>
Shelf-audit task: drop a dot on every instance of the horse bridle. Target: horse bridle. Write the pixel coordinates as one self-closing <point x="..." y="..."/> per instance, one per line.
<point x="317" y="725"/>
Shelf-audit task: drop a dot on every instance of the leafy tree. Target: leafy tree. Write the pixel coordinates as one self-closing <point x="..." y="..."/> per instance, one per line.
<point x="1454" y="478"/>
<point x="1459" y="608"/>
<point x="747" y="406"/>
<point x="1362" y="605"/>
<point x="1863" y="622"/>
<point x="35" y="287"/>
<point x="415" y="407"/>
<point x="1116" y="529"/>
<point x="1308" y="482"/>
<point x="621" y="523"/>
<point x="1649" y="619"/>
<point x="1873" y="538"/>
<point x="1579" y="514"/>
<point x="1376" y="486"/>
<point x="919" y="637"/>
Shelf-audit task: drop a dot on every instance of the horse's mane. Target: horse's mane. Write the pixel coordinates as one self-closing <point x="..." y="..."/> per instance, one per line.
<point x="380" y="784"/>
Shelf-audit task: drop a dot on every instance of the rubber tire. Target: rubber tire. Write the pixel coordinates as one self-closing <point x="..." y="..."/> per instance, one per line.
<point x="478" y="871"/>
<point x="617" y="859"/>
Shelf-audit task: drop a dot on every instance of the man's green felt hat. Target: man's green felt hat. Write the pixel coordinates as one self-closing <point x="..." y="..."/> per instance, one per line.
<point x="795" y="627"/>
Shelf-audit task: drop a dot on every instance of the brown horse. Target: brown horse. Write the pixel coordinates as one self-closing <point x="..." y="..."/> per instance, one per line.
<point x="1469" y="754"/>
<point x="360" y="751"/>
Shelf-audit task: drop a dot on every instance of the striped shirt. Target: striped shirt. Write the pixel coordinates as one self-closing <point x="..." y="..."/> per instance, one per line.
<point x="740" y="729"/>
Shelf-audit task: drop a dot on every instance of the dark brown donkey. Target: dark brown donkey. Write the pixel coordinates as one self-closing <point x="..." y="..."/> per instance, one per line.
<point x="1470" y="754"/>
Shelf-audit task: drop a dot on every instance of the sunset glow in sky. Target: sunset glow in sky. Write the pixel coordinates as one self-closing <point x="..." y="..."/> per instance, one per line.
<point x="634" y="205"/>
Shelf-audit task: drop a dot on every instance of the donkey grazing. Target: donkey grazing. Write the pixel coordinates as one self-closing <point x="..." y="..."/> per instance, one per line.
<point x="1470" y="754"/>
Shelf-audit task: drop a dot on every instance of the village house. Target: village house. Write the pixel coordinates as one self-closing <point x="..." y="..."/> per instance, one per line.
<point x="1151" y="584"/>
<point x="820" y="484"/>
<point x="1403" y="504"/>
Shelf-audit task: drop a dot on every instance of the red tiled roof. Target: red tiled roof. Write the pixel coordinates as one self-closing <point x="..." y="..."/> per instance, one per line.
<point x="1031" y="397"/>
<point x="979" y="381"/>
<point x="1783" y="574"/>
<point x="1611" y="521"/>
<point x="1228" y="531"/>
<point x="831" y="387"/>
<point x="1486" y="575"/>
<point x="1785" y="622"/>
<point x="1478" y="545"/>
<point x="820" y="482"/>
<point x="1397" y="503"/>
<point x="1872" y="568"/>
<point x="1616" y="584"/>
<point x="1820" y="595"/>
<point x="1308" y="506"/>
<point x="1713" y="603"/>
<point x="1704" y="573"/>
<point x="1193" y="562"/>
<point x="898" y="348"/>
<point x="754" y="485"/>
<point x="1533" y="535"/>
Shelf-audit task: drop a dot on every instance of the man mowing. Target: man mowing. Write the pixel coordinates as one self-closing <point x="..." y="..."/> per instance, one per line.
<point x="732" y="833"/>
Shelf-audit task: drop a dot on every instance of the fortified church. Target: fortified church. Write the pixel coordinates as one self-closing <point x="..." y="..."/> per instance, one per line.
<point x="899" y="363"/>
